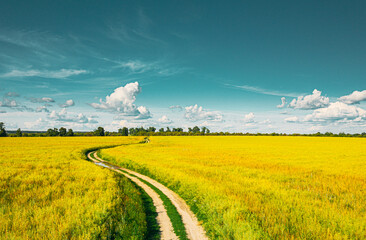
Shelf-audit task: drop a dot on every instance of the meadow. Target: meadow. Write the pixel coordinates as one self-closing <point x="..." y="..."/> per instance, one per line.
<point x="49" y="191"/>
<point x="261" y="187"/>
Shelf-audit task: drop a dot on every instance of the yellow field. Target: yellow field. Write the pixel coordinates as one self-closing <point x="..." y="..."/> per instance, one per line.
<point x="261" y="187"/>
<point x="47" y="191"/>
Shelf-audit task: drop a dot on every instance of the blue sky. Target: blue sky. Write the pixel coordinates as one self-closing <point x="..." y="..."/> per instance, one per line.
<point x="221" y="64"/>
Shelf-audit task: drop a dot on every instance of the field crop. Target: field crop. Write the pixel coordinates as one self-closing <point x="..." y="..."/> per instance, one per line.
<point x="48" y="191"/>
<point x="261" y="187"/>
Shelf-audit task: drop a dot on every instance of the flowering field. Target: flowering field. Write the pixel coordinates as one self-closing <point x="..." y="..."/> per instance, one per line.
<point x="49" y="191"/>
<point x="261" y="187"/>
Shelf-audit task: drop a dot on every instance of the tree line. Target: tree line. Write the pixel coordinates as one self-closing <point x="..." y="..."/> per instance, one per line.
<point x="152" y="131"/>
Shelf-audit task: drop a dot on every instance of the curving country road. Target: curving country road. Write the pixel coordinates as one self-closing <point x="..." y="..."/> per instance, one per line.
<point x="193" y="229"/>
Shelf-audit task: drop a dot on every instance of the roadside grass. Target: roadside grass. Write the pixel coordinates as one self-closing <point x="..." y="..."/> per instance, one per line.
<point x="48" y="191"/>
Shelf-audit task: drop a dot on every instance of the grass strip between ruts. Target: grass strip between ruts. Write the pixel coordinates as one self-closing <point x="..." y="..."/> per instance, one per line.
<point x="172" y="212"/>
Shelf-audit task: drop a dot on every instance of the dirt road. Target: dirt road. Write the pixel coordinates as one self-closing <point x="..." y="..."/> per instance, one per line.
<point x="193" y="228"/>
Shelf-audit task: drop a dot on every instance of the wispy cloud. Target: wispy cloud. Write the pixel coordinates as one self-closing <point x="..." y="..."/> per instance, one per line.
<point x="264" y="91"/>
<point x="136" y="66"/>
<point x="62" y="73"/>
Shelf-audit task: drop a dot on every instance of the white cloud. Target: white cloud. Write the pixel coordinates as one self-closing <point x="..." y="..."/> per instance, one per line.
<point x="292" y="119"/>
<point x="165" y="120"/>
<point x="63" y="116"/>
<point x="62" y="73"/>
<point x="122" y="101"/>
<point x="6" y="102"/>
<point x="42" y="108"/>
<point x="355" y="97"/>
<point x="40" y="123"/>
<point x="42" y="100"/>
<point x="136" y="66"/>
<point x="267" y="121"/>
<point x="335" y="112"/>
<point x="178" y="107"/>
<point x="195" y="113"/>
<point x="143" y="113"/>
<point x="68" y="103"/>
<point x="249" y="118"/>
<point x="313" y="101"/>
<point x="122" y="123"/>
<point x="283" y="103"/>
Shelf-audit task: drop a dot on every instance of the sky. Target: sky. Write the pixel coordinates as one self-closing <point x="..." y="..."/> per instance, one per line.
<point x="236" y="66"/>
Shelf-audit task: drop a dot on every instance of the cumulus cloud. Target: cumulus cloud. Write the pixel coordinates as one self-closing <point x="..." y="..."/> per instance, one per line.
<point x="283" y="103"/>
<point x="40" y="123"/>
<point x="63" y="116"/>
<point x="249" y="118"/>
<point x="354" y="98"/>
<point x="143" y="113"/>
<point x="122" y="101"/>
<point x="6" y="102"/>
<point x="195" y="113"/>
<point x="312" y="101"/>
<point x="42" y="108"/>
<point x="62" y="73"/>
<point x="68" y="103"/>
<point x="336" y="111"/>
<point x="42" y="100"/>
<point x="292" y="119"/>
<point x="176" y="107"/>
<point x="165" y="120"/>
<point x="267" y="121"/>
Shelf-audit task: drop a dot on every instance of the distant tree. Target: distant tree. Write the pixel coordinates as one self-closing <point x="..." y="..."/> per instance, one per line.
<point x="207" y="130"/>
<point x="62" y="131"/>
<point x="161" y="130"/>
<point x="190" y="130"/>
<point x="2" y="130"/>
<point x="168" y="129"/>
<point x="123" y="131"/>
<point x="70" y="133"/>
<point x="99" y="131"/>
<point x="132" y="131"/>
<point x="52" y="132"/>
<point x="19" y="133"/>
<point x="151" y="129"/>
<point x="203" y="130"/>
<point x="196" y="129"/>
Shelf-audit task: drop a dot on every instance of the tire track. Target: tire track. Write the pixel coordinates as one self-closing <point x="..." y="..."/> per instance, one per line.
<point x="193" y="229"/>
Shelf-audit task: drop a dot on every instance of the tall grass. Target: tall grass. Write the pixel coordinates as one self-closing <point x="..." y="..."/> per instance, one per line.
<point x="48" y="191"/>
<point x="261" y="187"/>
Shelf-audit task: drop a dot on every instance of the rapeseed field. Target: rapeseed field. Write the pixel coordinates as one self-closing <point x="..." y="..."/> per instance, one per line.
<point x="261" y="187"/>
<point x="49" y="191"/>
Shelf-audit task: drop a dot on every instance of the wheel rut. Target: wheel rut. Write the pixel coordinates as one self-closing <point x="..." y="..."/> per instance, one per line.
<point x="193" y="229"/>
